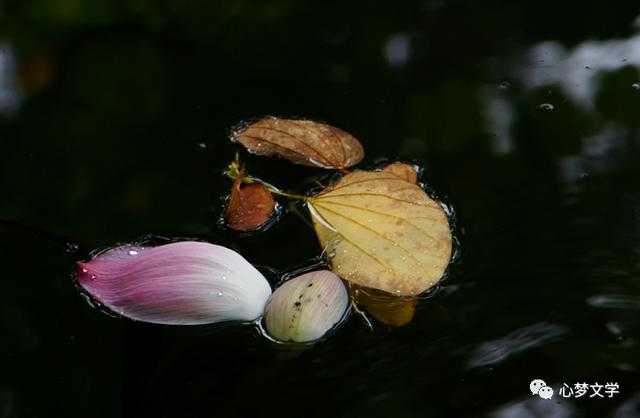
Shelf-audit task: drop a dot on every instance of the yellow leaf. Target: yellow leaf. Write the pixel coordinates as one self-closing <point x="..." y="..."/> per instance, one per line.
<point x="382" y="232"/>
<point x="386" y="308"/>
<point x="408" y="172"/>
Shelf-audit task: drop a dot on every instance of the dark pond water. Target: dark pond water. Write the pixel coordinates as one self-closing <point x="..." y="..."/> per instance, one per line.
<point x="526" y="116"/>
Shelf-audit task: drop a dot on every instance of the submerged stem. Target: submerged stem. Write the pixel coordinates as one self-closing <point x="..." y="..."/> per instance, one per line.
<point x="296" y="211"/>
<point x="70" y="245"/>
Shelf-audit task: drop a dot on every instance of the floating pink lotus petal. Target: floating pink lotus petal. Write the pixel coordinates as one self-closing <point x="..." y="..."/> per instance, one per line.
<point x="183" y="283"/>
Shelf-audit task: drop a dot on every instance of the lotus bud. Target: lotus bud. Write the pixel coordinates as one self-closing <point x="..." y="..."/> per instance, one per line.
<point x="305" y="308"/>
<point x="183" y="283"/>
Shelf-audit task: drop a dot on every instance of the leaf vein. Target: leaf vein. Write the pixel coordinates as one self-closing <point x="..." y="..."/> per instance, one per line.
<point x="391" y="177"/>
<point x="295" y="138"/>
<point x="375" y="194"/>
<point x="381" y="235"/>
<point x="424" y="231"/>
<point x="336" y="162"/>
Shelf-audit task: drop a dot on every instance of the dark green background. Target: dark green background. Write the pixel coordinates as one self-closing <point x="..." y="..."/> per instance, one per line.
<point x="121" y="130"/>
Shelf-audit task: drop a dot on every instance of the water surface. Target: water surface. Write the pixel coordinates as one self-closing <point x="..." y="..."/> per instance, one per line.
<point x="113" y="124"/>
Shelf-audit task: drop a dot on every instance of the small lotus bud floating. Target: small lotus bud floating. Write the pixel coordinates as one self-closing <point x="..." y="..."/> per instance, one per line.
<point x="306" y="307"/>
<point x="254" y="207"/>
<point x="250" y="206"/>
<point x="183" y="283"/>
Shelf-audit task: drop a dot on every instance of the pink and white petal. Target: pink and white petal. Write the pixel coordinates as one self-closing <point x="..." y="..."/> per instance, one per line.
<point x="183" y="283"/>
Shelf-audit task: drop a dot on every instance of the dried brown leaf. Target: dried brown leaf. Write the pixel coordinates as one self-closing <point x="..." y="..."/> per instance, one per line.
<point x="302" y="142"/>
<point x="249" y="207"/>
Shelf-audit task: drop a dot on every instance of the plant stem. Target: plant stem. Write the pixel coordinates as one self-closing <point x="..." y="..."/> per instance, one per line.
<point x="281" y="193"/>
<point x="235" y="170"/>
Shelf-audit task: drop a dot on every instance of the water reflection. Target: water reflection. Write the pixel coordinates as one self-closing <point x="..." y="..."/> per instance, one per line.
<point x="536" y="407"/>
<point x="10" y="95"/>
<point x="157" y="81"/>
<point x="397" y="50"/>
<point x="630" y="408"/>
<point x="636" y="23"/>
<point x="496" y="351"/>
<point x="576" y="70"/>
<point x="584" y="95"/>
<point x="614" y="301"/>
<point x="499" y="114"/>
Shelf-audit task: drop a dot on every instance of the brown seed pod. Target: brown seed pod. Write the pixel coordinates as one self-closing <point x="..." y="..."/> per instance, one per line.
<point x="249" y="207"/>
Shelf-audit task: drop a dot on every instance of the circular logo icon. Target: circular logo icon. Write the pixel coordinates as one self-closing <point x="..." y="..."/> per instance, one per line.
<point x="535" y="386"/>
<point x="545" y="392"/>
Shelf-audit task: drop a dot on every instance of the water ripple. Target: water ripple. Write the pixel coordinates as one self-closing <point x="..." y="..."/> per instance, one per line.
<point x="613" y="301"/>
<point x="491" y="352"/>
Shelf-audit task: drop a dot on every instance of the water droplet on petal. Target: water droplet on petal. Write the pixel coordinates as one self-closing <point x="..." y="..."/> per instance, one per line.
<point x="505" y="85"/>
<point x="636" y="86"/>
<point x="133" y="252"/>
<point x="220" y="293"/>
<point x="546" y="107"/>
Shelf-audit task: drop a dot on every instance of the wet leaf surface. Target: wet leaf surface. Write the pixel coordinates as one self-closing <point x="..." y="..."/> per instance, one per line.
<point x="302" y="142"/>
<point x="382" y="232"/>
<point x="249" y="206"/>
<point x="409" y="172"/>
<point x="386" y="308"/>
